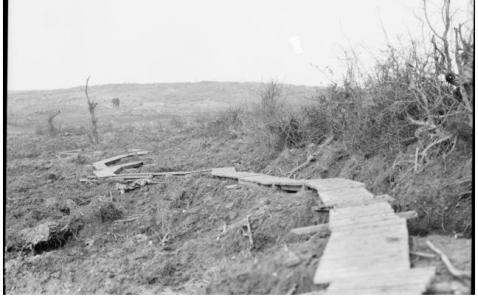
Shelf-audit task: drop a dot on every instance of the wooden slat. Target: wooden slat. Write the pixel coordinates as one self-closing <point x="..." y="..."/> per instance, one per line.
<point x="413" y="281"/>
<point x="310" y="229"/>
<point x="347" y="197"/>
<point x="322" y="185"/>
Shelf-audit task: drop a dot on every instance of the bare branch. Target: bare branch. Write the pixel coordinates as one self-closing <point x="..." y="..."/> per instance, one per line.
<point x="428" y="20"/>
<point x="454" y="271"/>
<point x="91" y="108"/>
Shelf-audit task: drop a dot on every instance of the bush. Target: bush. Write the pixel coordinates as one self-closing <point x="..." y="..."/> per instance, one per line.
<point x="225" y="122"/>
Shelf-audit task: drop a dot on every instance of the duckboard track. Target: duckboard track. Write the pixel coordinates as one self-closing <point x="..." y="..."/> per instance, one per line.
<point x="368" y="250"/>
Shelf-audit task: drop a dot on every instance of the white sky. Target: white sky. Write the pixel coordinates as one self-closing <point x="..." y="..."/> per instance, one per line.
<point x="58" y="43"/>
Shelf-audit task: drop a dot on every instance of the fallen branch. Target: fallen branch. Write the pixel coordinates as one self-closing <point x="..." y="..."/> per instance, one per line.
<point x="453" y="271"/>
<point x="312" y="157"/>
<point x="424" y="152"/>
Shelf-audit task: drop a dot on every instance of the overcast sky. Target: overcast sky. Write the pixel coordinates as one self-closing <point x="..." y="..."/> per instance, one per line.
<point x="58" y="43"/>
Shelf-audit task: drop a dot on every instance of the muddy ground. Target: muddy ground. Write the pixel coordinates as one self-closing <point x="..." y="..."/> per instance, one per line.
<point x="185" y="235"/>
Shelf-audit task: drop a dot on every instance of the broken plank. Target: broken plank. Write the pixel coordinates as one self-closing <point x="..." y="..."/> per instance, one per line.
<point x="105" y="162"/>
<point x="327" y="184"/>
<point x="408" y="214"/>
<point x="310" y="229"/>
<point x="113" y="170"/>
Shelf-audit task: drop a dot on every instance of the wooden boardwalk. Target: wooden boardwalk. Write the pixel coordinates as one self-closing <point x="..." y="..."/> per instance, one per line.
<point x="368" y="251"/>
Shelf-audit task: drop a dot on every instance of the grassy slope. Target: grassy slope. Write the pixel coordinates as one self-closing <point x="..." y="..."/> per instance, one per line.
<point x="139" y="102"/>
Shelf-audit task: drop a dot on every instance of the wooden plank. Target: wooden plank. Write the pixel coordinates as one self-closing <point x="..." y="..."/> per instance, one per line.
<point x="357" y="258"/>
<point x="104" y="163"/>
<point x="408" y="214"/>
<point x="376" y="245"/>
<point x="223" y="172"/>
<point x="346" y="197"/>
<point x="357" y="271"/>
<point x="367" y="214"/>
<point x="362" y="225"/>
<point x="113" y="170"/>
<point x="359" y="254"/>
<point x="290" y="188"/>
<point x="272" y="180"/>
<point x="413" y="281"/>
<point x="360" y="220"/>
<point x="365" y="232"/>
<point x="375" y="206"/>
<point x="327" y="184"/>
<point x="242" y="175"/>
<point x="310" y="229"/>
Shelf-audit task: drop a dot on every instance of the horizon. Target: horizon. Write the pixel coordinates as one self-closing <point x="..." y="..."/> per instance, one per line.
<point x="164" y="82"/>
<point x="56" y="44"/>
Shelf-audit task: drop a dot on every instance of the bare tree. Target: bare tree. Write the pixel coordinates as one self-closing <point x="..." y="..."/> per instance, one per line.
<point x="91" y="108"/>
<point x="437" y="127"/>
<point x="51" y="128"/>
<point x="457" y="68"/>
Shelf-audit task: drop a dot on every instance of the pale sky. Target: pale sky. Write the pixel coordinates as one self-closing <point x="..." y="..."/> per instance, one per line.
<point x="58" y="43"/>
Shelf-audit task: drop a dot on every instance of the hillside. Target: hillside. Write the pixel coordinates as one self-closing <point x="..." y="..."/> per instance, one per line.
<point x="179" y="235"/>
<point x="139" y="103"/>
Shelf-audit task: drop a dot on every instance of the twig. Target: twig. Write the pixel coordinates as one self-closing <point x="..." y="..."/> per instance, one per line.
<point x="248" y="224"/>
<point x="416" y="160"/>
<point x="126" y="220"/>
<point x="453" y="271"/>
<point x="165" y="238"/>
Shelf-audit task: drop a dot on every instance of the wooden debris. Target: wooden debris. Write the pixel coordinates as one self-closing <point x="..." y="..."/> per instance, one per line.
<point x="321" y="208"/>
<point x="453" y="271"/>
<point x="408" y="214"/>
<point x="422" y="254"/>
<point x="113" y="170"/>
<point x="105" y="169"/>
<point x="310" y="229"/>
<point x="105" y="163"/>
<point x="123" y="188"/>
<point x="231" y="186"/>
